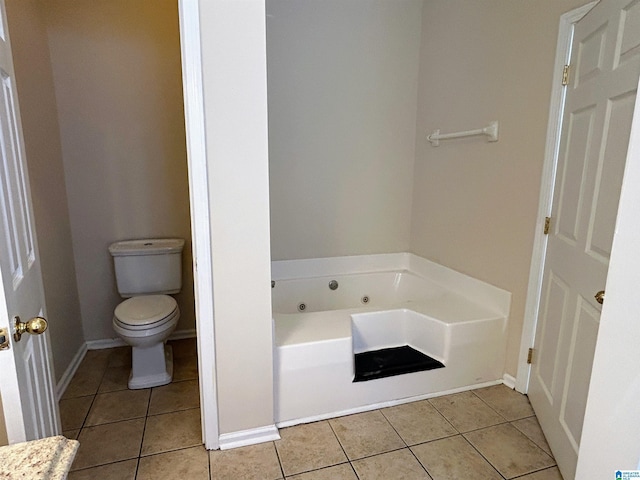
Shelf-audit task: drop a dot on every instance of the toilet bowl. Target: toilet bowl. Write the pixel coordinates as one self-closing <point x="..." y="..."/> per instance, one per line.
<point x="147" y="272"/>
<point x="145" y="323"/>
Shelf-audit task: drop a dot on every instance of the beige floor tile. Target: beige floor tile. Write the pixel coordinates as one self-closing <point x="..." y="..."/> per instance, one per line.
<point x="418" y="422"/>
<point x="185" y="347"/>
<point x="308" y="447"/>
<point x="454" y="459"/>
<point x="115" y="379"/>
<point x="114" y="471"/>
<point x="117" y="406"/>
<point x="97" y="359"/>
<point x="73" y="411"/>
<point x="172" y="431"/>
<point x="398" y="465"/>
<point x="531" y="428"/>
<point x="255" y="462"/>
<point x="71" y="434"/>
<point x="173" y="397"/>
<point x="109" y="443"/>
<point x="337" y="472"/>
<point x="120" y="357"/>
<point x="507" y="402"/>
<point x="509" y="451"/>
<point x="547" y="474"/>
<point x="466" y="412"/>
<point x="185" y="368"/>
<point x="187" y="464"/>
<point x="366" y="434"/>
<point x="85" y="382"/>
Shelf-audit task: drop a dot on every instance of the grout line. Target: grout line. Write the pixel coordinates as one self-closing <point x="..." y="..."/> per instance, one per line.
<point x="443" y="417"/>
<point x="354" y="470"/>
<point x="144" y="428"/>
<point x="380" y="453"/>
<point x="279" y="460"/>
<point x="536" y="471"/>
<point x="490" y="407"/>
<point x="338" y="440"/>
<point x="407" y="446"/>
<point x="480" y="453"/>
<point x="394" y="428"/>
<point x="137" y="468"/>
<point x="419" y="462"/>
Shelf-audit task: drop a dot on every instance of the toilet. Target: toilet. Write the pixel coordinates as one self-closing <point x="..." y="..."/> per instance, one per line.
<point x="147" y="272"/>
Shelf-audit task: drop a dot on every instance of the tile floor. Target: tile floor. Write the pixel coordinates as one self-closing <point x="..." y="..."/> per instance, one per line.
<point x="490" y="433"/>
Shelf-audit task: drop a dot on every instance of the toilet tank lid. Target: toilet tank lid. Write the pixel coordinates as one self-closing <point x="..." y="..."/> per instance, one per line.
<point x="148" y="246"/>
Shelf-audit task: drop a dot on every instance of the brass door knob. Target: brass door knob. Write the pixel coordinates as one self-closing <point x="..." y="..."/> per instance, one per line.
<point x="599" y="297"/>
<point x="35" y="326"/>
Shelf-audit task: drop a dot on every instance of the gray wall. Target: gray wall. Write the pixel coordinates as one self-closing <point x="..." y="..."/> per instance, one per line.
<point x="354" y="90"/>
<point x="117" y="75"/>
<point x="34" y="80"/>
<point x="475" y="203"/>
<point x="342" y="80"/>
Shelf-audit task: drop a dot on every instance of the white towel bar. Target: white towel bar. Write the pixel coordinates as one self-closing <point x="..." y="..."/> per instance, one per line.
<point x="491" y="132"/>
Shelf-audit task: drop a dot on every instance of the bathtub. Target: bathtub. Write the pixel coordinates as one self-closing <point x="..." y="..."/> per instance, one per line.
<point x="379" y="301"/>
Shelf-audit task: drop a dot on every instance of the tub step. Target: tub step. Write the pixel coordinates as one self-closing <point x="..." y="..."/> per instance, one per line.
<point x="388" y="362"/>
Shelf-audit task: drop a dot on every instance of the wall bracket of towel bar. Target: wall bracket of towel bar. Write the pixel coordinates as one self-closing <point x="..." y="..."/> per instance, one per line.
<point x="490" y="131"/>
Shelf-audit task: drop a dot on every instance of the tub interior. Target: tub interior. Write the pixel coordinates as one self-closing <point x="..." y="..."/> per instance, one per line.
<point x="355" y="290"/>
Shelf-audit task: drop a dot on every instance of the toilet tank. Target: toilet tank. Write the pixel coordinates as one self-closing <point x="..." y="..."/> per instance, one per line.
<point x="148" y="266"/>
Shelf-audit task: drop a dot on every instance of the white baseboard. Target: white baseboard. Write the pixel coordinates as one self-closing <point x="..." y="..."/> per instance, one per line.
<point x="105" y="343"/>
<point x="118" y="342"/>
<point x="248" y="437"/>
<point x="68" y="374"/>
<point x="180" y="334"/>
<point x="509" y="381"/>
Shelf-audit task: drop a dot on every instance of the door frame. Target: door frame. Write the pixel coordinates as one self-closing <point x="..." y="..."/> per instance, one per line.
<point x="189" y="14"/>
<point x="554" y="130"/>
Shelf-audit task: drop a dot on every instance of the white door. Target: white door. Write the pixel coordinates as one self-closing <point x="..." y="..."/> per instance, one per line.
<point x="605" y="65"/>
<point x="26" y="380"/>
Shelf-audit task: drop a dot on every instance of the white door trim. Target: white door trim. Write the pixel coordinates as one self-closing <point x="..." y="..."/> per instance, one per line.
<point x="200" y="217"/>
<point x="554" y="127"/>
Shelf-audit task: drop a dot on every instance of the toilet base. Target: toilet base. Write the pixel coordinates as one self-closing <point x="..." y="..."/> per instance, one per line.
<point x="151" y="367"/>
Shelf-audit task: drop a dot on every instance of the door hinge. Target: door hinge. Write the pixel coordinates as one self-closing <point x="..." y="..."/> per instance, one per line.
<point x="530" y="356"/>
<point x="565" y="75"/>
<point x="547" y="225"/>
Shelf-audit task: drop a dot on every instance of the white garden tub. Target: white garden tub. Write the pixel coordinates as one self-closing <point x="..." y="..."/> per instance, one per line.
<point x="380" y="301"/>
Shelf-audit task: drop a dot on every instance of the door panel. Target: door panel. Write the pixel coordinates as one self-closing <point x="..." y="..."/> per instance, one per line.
<point x="598" y="112"/>
<point x="609" y="179"/>
<point x="573" y="174"/>
<point x="548" y="348"/>
<point x="26" y="376"/>
<point x="579" y="370"/>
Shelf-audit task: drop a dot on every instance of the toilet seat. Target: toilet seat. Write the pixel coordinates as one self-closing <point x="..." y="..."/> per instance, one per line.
<point x="146" y="312"/>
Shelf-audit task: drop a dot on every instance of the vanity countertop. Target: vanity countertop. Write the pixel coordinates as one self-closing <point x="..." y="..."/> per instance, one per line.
<point x="46" y="459"/>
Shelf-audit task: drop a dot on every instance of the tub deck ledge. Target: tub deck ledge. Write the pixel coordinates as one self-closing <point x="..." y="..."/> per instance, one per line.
<point x="314" y="327"/>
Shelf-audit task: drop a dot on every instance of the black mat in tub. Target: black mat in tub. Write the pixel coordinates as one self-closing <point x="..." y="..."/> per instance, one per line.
<point x="388" y="362"/>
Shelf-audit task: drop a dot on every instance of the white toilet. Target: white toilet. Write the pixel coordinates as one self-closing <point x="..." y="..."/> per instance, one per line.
<point x="147" y="271"/>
